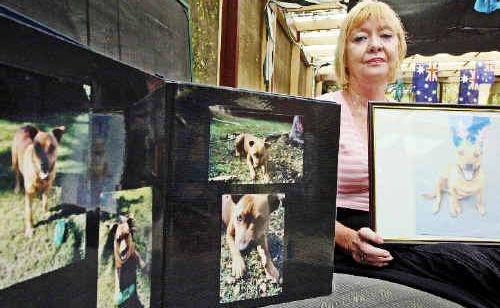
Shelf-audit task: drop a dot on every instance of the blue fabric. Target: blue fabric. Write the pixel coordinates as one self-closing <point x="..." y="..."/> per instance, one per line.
<point x="468" y="92"/>
<point x="487" y="6"/>
<point x="425" y="83"/>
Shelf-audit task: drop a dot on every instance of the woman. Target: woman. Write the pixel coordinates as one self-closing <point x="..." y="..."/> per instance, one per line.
<point x="370" y="50"/>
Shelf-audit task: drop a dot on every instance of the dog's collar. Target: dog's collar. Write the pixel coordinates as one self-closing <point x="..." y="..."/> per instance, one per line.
<point x="124" y="295"/>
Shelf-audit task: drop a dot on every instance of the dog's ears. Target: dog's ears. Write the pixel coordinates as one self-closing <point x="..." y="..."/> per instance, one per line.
<point x="112" y="228"/>
<point x="131" y="223"/>
<point x="58" y="132"/>
<point x="31" y="131"/>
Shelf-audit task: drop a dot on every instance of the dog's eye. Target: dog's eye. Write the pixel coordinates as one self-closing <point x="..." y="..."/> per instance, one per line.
<point x="239" y="218"/>
<point x="52" y="148"/>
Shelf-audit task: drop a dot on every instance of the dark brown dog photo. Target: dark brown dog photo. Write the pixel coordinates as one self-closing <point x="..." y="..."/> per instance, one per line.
<point x="125" y="244"/>
<point x="42" y="194"/>
<point x="252" y="246"/>
<point x="248" y="148"/>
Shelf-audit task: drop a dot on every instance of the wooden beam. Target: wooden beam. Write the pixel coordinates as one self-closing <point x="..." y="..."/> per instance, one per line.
<point x="229" y="44"/>
<point x="295" y="64"/>
<point x="317" y="7"/>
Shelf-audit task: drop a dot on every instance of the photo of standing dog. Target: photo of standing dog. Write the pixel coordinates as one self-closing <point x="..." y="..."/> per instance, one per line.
<point x="252" y="248"/>
<point x="34" y="155"/>
<point x="253" y="148"/>
<point x="125" y="245"/>
<point x="43" y="193"/>
<point x="256" y="151"/>
<point x="127" y="260"/>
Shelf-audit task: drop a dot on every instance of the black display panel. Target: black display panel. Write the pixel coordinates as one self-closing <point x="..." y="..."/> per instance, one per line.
<point x="233" y="149"/>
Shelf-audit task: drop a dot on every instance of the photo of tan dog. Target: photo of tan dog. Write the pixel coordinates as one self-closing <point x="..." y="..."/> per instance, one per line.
<point x="34" y="155"/>
<point x="463" y="179"/>
<point x="465" y="176"/>
<point x="247" y="223"/>
<point x="256" y="151"/>
<point x="253" y="148"/>
<point x="127" y="259"/>
<point x="125" y="246"/>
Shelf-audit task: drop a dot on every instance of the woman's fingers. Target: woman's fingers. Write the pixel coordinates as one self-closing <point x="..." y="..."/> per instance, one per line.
<point x="369" y="235"/>
<point x="369" y="254"/>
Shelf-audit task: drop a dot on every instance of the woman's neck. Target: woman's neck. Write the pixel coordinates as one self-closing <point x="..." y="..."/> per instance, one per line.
<point x="362" y="93"/>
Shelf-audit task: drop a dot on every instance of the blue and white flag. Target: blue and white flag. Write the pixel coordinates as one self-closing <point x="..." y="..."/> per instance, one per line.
<point x="425" y="80"/>
<point x="468" y="90"/>
<point x="484" y="74"/>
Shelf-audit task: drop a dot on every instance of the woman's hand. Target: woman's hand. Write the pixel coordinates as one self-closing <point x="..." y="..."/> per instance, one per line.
<point x="359" y="245"/>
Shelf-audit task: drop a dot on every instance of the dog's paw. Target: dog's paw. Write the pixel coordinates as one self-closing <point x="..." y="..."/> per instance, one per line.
<point x="238" y="267"/>
<point x="435" y="208"/>
<point x="29" y="232"/>
<point x="481" y="209"/>
<point x="272" y="272"/>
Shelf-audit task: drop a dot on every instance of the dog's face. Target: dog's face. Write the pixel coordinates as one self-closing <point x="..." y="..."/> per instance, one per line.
<point x="247" y="222"/>
<point x="469" y="160"/>
<point x="123" y="243"/>
<point x="257" y="149"/>
<point x="45" y="145"/>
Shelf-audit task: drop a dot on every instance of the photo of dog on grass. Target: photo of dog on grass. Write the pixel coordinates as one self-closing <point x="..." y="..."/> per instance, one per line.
<point x="125" y="244"/>
<point x="252" y="246"/>
<point x="43" y="172"/>
<point x="248" y="148"/>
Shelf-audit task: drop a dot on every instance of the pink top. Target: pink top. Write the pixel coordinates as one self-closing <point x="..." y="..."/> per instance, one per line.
<point x="352" y="178"/>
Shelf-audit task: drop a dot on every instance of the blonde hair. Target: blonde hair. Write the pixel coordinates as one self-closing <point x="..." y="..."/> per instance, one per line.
<point x="359" y="14"/>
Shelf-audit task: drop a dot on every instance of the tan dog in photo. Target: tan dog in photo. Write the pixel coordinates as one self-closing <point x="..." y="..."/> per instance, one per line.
<point x="126" y="259"/>
<point x="464" y="178"/>
<point x="248" y="221"/>
<point x="256" y="151"/>
<point x="34" y="155"/>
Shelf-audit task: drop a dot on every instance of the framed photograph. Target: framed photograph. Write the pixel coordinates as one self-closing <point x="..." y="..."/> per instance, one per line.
<point x="434" y="172"/>
<point x="251" y="198"/>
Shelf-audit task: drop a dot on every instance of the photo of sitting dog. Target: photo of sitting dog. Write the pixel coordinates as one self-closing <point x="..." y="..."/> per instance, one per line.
<point x="248" y="222"/>
<point x="34" y="155"/>
<point x="127" y="259"/>
<point x="256" y="151"/>
<point x="465" y="177"/>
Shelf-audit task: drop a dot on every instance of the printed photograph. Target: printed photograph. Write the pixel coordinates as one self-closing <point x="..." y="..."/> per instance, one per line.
<point x="125" y="245"/>
<point x="456" y="193"/>
<point x="43" y="194"/>
<point x="252" y="246"/>
<point x="255" y="148"/>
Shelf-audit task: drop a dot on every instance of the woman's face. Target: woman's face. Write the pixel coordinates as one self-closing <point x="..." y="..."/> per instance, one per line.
<point x="372" y="51"/>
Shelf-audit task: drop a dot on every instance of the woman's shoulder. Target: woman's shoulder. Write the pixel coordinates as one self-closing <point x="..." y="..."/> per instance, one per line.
<point x="336" y="97"/>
